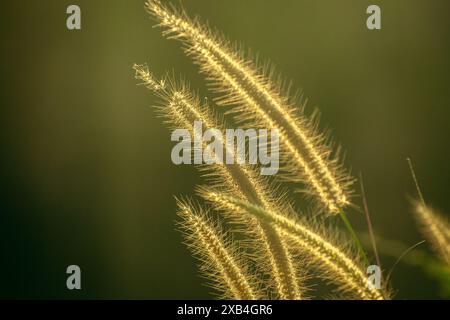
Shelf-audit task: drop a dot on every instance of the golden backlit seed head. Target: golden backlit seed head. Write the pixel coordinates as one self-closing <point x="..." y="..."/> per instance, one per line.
<point x="219" y="259"/>
<point x="334" y="261"/>
<point x="259" y="102"/>
<point x="181" y="108"/>
<point x="435" y="227"/>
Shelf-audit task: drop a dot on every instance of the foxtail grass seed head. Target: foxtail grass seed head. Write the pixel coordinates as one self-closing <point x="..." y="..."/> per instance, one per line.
<point x="259" y="99"/>
<point x="183" y="109"/>
<point x="211" y="145"/>
<point x="435" y="227"/>
<point x="337" y="264"/>
<point x="219" y="256"/>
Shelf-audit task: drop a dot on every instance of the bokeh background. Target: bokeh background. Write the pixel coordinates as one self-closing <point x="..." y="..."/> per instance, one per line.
<point x="86" y="176"/>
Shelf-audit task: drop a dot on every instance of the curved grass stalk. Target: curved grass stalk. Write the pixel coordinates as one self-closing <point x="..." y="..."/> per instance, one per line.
<point x="308" y="157"/>
<point x="181" y="108"/>
<point x="337" y="265"/>
<point x="220" y="262"/>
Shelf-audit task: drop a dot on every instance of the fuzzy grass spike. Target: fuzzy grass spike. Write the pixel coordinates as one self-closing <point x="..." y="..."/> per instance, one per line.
<point x="336" y="264"/>
<point x="436" y="228"/>
<point x="181" y="108"/>
<point x="219" y="257"/>
<point x="258" y="101"/>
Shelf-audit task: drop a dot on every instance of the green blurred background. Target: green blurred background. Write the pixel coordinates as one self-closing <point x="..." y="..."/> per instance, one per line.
<point x="86" y="176"/>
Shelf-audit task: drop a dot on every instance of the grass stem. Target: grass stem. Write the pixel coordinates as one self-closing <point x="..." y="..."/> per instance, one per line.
<point x="355" y="238"/>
